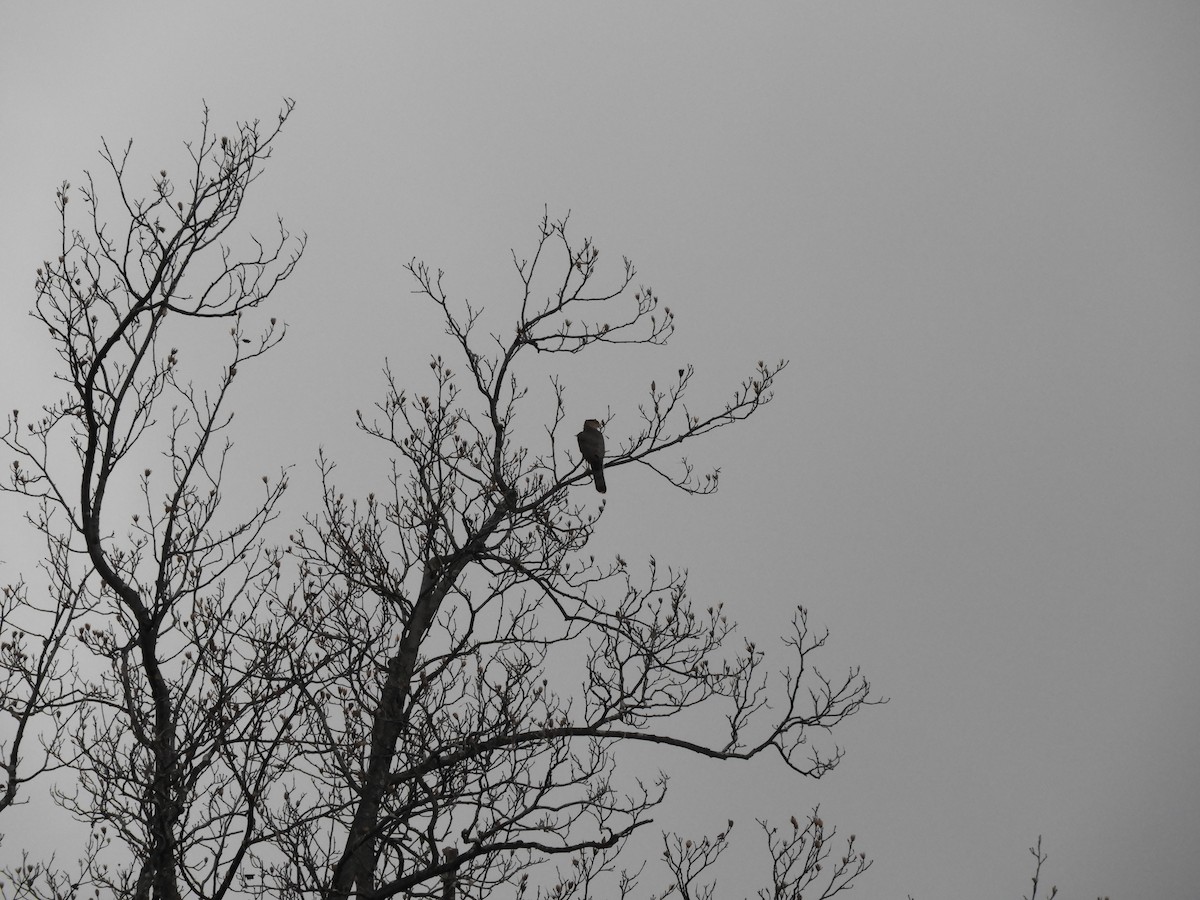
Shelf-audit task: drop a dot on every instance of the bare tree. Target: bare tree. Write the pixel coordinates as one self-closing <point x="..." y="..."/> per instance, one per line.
<point x="180" y="721"/>
<point x="490" y="668"/>
<point x="432" y="690"/>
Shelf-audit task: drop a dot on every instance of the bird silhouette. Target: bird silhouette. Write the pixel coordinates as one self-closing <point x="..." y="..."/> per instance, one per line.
<point x="591" y="445"/>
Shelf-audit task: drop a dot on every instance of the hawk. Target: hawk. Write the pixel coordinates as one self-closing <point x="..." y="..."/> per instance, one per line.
<point x="591" y="445"/>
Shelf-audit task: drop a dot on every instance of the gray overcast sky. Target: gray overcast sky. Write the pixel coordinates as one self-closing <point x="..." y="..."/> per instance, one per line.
<point x="974" y="228"/>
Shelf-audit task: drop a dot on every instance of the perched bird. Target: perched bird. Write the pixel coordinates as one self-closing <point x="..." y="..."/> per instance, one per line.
<point x="591" y="445"/>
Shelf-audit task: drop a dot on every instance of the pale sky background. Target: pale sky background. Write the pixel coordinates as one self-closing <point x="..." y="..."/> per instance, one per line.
<point x="974" y="228"/>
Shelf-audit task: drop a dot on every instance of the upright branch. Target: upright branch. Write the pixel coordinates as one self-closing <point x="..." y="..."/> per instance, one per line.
<point x="489" y="666"/>
<point x="37" y="674"/>
<point x="1039" y="859"/>
<point x="182" y="728"/>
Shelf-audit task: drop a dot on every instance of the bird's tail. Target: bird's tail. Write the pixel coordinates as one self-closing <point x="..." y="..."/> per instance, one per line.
<point x="598" y="477"/>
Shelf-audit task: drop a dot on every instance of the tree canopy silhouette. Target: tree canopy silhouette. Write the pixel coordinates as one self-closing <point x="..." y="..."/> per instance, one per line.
<point x="422" y="691"/>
